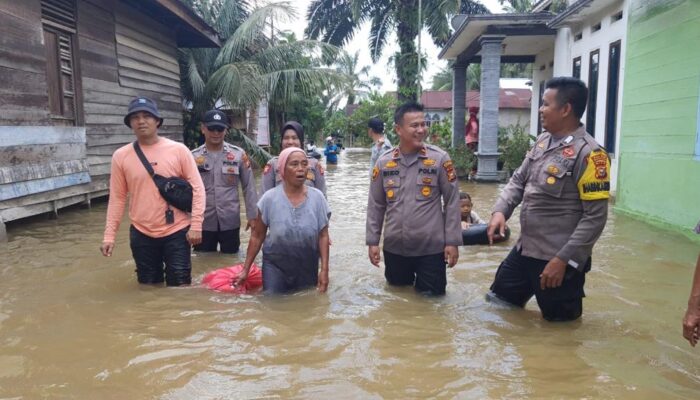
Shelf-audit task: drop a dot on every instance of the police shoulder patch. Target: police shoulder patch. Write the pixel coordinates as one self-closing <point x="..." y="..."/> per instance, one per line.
<point x="450" y="170"/>
<point x="375" y="173"/>
<point x="594" y="183"/>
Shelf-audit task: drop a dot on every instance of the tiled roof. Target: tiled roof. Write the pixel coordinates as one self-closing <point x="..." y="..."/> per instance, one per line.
<point x="508" y="98"/>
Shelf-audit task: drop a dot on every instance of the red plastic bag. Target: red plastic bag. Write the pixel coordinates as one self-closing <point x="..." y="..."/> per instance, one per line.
<point x="220" y="279"/>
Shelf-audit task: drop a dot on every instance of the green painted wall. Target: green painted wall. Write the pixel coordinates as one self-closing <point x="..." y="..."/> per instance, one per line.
<point x="658" y="177"/>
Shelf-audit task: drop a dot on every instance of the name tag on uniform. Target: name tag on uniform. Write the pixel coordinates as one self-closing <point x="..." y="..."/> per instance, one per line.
<point x="229" y="170"/>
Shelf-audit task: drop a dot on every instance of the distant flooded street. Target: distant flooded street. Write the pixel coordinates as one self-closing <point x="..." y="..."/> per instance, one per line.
<point x="74" y="324"/>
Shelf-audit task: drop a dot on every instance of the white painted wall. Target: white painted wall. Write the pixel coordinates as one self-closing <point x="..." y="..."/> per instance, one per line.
<point x="542" y="71"/>
<point x="563" y="54"/>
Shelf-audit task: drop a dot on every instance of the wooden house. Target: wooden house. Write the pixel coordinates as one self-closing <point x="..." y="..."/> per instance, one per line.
<point x="68" y="69"/>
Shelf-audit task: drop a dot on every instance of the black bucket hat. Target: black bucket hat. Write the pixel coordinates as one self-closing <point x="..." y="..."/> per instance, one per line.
<point x="296" y="127"/>
<point x="143" y="104"/>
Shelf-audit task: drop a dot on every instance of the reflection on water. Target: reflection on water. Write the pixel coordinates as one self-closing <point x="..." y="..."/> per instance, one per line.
<point x="76" y="325"/>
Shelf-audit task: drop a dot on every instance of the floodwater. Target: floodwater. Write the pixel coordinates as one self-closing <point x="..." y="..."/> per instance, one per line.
<point x="76" y="325"/>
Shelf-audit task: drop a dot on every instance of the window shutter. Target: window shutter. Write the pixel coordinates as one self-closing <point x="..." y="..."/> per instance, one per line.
<point x="58" y="18"/>
<point x="59" y="13"/>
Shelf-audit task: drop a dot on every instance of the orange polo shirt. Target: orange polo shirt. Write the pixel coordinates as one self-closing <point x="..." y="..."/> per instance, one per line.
<point x="146" y="206"/>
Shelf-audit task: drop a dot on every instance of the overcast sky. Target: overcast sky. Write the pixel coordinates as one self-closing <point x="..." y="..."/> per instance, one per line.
<point x="360" y="43"/>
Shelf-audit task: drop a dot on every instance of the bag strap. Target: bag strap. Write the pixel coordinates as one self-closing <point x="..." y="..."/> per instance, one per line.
<point x="143" y="159"/>
<point x="148" y="167"/>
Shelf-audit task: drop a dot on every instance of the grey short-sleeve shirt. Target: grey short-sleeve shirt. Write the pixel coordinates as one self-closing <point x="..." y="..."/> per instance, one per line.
<point x="291" y="244"/>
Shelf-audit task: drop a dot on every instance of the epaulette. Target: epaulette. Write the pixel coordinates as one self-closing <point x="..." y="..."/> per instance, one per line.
<point x="434" y="148"/>
<point x="232" y="147"/>
<point x="385" y="153"/>
<point x="592" y="143"/>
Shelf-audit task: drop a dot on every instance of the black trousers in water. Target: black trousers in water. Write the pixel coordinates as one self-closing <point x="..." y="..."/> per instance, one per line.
<point x="229" y="240"/>
<point x="518" y="279"/>
<point x="427" y="273"/>
<point x="156" y="256"/>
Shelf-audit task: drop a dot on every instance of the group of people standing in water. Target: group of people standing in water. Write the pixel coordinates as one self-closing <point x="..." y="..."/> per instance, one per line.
<point x="414" y="204"/>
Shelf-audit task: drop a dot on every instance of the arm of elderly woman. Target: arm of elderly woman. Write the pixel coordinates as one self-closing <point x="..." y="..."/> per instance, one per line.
<point x="257" y="237"/>
<point x="323" y="244"/>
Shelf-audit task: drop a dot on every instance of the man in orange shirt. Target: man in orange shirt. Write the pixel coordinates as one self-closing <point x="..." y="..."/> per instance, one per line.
<point x="160" y="235"/>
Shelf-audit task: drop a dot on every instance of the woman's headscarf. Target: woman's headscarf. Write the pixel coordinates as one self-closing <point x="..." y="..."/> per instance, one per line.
<point x="284" y="155"/>
<point x="296" y="127"/>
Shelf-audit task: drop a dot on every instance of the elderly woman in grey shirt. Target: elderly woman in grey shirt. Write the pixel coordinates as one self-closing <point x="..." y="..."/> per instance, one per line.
<point x="292" y="229"/>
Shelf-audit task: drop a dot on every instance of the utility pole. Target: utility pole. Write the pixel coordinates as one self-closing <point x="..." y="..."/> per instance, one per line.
<point x="420" y="28"/>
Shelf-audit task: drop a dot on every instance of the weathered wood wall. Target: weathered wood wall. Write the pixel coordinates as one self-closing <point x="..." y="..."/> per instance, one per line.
<point x="41" y="169"/>
<point x="23" y="95"/>
<point x="121" y="53"/>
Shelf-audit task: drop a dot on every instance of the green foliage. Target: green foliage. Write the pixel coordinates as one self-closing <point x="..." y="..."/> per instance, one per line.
<point x="516" y="6"/>
<point x="462" y="157"/>
<point x="442" y="80"/>
<point x="253" y="64"/>
<point x="440" y="133"/>
<point x="513" y="144"/>
<point x="380" y="106"/>
<point x="256" y="153"/>
<point x="336" y="21"/>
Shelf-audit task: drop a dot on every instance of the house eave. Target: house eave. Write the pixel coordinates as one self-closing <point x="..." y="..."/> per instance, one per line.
<point x="191" y="30"/>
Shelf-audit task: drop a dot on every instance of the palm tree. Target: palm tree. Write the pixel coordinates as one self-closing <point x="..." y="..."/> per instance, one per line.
<point x="442" y="80"/>
<point x="516" y="6"/>
<point x="336" y="21"/>
<point x="356" y="83"/>
<point x="253" y="65"/>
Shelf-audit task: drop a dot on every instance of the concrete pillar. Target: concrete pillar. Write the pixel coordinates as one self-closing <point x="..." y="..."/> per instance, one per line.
<point x="488" y="113"/>
<point x="459" y="84"/>
<point x="3" y="232"/>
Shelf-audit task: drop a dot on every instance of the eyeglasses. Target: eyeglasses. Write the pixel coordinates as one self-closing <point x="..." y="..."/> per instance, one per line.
<point x="217" y="129"/>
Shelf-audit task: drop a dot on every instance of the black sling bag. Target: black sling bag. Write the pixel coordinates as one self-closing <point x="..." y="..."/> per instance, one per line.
<point x="176" y="191"/>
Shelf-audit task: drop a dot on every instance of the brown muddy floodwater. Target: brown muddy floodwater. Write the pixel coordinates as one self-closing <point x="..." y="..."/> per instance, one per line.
<point x="76" y="325"/>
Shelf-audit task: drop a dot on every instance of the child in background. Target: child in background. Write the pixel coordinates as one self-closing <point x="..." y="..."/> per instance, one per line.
<point x="469" y="217"/>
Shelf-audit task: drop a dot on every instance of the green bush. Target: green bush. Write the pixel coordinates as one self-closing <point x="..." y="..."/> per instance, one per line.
<point x="463" y="159"/>
<point x="380" y="106"/>
<point x="513" y="144"/>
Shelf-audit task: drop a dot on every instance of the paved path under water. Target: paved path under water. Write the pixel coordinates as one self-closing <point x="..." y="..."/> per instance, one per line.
<point x="76" y="325"/>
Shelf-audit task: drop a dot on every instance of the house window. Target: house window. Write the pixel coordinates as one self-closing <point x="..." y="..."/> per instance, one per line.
<point x="611" y="104"/>
<point x="592" y="91"/>
<point x="578" y="36"/>
<point x="59" y="27"/>
<point x="616" y="17"/>
<point x="576" y="71"/>
<point x="596" y="27"/>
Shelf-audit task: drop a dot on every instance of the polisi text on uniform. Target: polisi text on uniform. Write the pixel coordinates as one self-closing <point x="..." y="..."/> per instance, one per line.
<point x="427" y="171"/>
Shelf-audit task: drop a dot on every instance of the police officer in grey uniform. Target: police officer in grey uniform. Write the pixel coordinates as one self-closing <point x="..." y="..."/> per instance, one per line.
<point x="563" y="185"/>
<point x="414" y="196"/>
<point x="293" y="136"/>
<point x="223" y="168"/>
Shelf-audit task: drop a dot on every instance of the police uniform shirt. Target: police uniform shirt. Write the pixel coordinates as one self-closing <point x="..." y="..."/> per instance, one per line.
<point x="415" y="201"/>
<point x="314" y="176"/>
<point x="564" y="188"/>
<point x="221" y="173"/>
